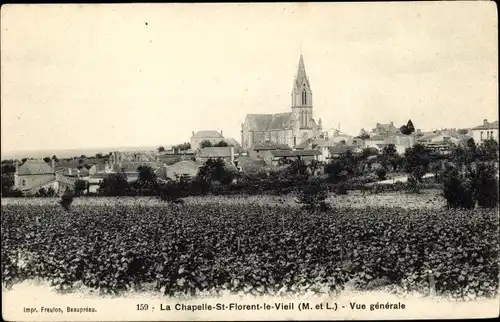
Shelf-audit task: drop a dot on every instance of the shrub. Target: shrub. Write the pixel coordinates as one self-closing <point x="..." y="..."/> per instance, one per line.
<point x="381" y="173"/>
<point x="66" y="199"/>
<point x="486" y="185"/>
<point x="456" y="190"/>
<point x="313" y="195"/>
<point x="115" y="184"/>
<point x="413" y="186"/>
<point x="80" y="187"/>
<point x="341" y="189"/>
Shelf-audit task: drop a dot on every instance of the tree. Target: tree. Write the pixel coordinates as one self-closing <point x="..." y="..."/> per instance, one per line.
<point x="349" y="161"/>
<point x="7" y="183"/>
<point x="161" y="149"/>
<point x="410" y="126"/>
<point x="214" y="170"/>
<point x="183" y="146"/>
<point x="335" y="170"/>
<point x="88" y="166"/>
<point x="66" y="199"/>
<point x="381" y="173"/>
<point x="146" y="174"/>
<point x="363" y="134"/>
<point x="80" y="187"/>
<point x="297" y="167"/>
<point x="485" y="184"/>
<point x="80" y="161"/>
<point x="487" y="150"/>
<point x="463" y="131"/>
<point x="8" y="167"/>
<point x="457" y="189"/>
<point x="205" y="144"/>
<point x="46" y="159"/>
<point x="98" y="156"/>
<point x="55" y="158"/>
<point x="49" y="192"/>
<point x="314" y="165"/>
<point x="389" y="153"/>
<point x="221" y="144"/>
<point x="458" y="156"/>
<point x="367" y="152"/>
<point x="24" y="160"/>
<point x="83" y="156"/>
<point x="417" y="160"/>
<point x="313" y="196"/>
<point x="115" y="184"/>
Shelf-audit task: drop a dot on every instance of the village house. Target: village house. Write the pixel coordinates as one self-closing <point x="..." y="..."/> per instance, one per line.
<point x="307" y="156"/>
<point x="226" y="153"/>
<point x="259" y="151"/>
<point x="485" y="131"/>
<point x="401" y="142"/>
<point x="247" y="165"/>
<point x="33" y="175"/>
<point x="334" y="152"/>
<point x="385" y="129"/>
<point x="342" y="139"/>
<point x="179" y="169"/>
<point x="213" y="137"/>
<point x="375" y="141"/>
<point x="175" y="156"/>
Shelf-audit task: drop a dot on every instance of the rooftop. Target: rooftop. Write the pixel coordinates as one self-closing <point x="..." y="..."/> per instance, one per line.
<point x="215" y="152"/>
<point x="270" y="146"/>
<point x="35" y="167"/>
<point x="487" y="126"/>
<point x="295" y="153"/>
<point x="207" y="134"/>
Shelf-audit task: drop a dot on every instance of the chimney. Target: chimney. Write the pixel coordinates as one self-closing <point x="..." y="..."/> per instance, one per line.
<point x="192" y="133"/>
<point x="485" y="122"/>
<point x="221" y="133"/>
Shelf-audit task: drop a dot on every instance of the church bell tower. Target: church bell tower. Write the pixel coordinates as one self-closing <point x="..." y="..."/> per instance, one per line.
<point x="302" y="98"/>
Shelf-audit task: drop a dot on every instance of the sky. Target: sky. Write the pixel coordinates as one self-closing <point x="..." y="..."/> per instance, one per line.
<point x="82" y="76"/>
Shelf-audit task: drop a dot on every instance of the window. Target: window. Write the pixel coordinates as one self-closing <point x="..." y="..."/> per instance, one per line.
<point x="23" y="182"/>
<point x="481" y="138"/>
<point x="304" y="97"/>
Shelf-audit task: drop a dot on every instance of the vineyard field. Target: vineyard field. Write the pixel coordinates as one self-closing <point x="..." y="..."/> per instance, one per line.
<point x="249" y="248"/>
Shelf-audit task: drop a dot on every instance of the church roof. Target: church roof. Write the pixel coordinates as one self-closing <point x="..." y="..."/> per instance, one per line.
<point x="265" y="122"/>
<point x="32" y="167"/>
<point x="207" y="134"/>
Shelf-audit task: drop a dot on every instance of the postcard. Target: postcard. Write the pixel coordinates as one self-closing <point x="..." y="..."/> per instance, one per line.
<point x="249" y="161"/>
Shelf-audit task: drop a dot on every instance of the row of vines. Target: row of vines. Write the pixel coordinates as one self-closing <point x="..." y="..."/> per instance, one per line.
<point x="253" y="249"/>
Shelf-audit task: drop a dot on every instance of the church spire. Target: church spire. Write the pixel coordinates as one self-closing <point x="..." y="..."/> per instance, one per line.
<point x="301" y="77"/>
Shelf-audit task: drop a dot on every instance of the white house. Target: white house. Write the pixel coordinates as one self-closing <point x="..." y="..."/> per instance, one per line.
<point x="375" y="141"/>
<point x="485" y="131"/>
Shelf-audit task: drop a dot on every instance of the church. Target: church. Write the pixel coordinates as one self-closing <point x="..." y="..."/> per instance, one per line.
<point x="290" y="128"/>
